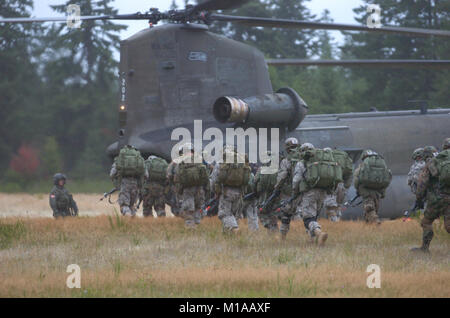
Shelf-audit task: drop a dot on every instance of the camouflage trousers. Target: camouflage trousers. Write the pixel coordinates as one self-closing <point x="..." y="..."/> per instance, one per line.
<point x="436" y="207"/>
<point x="230" y="202"/>
<point x="332" y="207"/>
<point x="311" y="204"/>
<point x="251" y="213"/>
<point x="269" y="217"/>
<point x="154" y="198"/>
<point x="371" y="204"/>
<point x="173" y="201"/>
<point x="287" y="212"/>
<point x="192" y="199"/>
<point x="61" y="213"/>
<point x="128" y="196"/>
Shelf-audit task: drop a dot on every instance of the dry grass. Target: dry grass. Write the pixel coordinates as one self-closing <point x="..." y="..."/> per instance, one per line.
<point x="160" y="258"/>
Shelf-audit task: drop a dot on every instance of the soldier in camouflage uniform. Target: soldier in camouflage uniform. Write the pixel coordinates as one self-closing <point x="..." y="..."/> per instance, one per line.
<point x="171" y="192"/>
<point x="248" y="206"/>
<point x="416" y="168"/>
<point x="229" y="180"/>
<point x="341" y="189"/>
<point x="313" y="199"/>
<point x="130" y="186"/>
<point x="283" y="185"/>
<point x="61" y="201"/>
<point x="192" y="185"/>
<point x="155" y="187"/>
<point x="264" y="185"/>
<point x="434" y="186"/>
<point x="371" y="197"/>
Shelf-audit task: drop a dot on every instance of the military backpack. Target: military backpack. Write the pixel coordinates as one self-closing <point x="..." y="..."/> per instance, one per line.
<point x="443" y="167"/>
<point x="190" y="174"/>
<point x="322" y="170"/>
<point x="266" y="182"/>
<point x="374" y="173"/>
<point x="343" y="159"/>
<point x="234" y="174"/>
<point x="157" y="169"/>
<point x="129" y="163"/>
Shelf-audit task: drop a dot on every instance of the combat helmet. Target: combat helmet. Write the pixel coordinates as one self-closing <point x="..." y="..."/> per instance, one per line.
<point x="291" y="143"/>
<point x="446" y="144"/>
<point x="57" y="177"/>
<point x="429" y="152"/>
<point x="368" y="153"/>
<point x="306" y="146"/>
<point x="418" y="153"/>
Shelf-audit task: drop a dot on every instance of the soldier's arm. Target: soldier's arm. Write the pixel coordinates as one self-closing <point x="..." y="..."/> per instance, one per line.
<point x="422" y="183"/>
<point x="52" y="201"/>
<point x="355" y="177"/>
<point x="73" y="204"/>
<point x="299" y="171"/>
<point x="282" y="174"/>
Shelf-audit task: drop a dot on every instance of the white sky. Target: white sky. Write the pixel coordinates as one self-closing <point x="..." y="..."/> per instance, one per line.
<point x="340" y="11"/>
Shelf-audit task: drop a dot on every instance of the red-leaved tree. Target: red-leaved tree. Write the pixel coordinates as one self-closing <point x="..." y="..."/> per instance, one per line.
<point x="26" y="161"/>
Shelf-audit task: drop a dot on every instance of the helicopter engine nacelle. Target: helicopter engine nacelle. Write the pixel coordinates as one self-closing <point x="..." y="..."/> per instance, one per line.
<point x="284" y="108"/>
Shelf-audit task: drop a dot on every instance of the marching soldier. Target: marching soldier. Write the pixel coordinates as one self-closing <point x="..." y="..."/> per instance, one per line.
<point x="155" y="186"/>
<point x="434" y="186"/>
<point x="229" y="180"/>
<point x="372" y="177"/>
<point x="61" y="201"/>
<point x="128" y="172"/>
<point x="191" y="183"/>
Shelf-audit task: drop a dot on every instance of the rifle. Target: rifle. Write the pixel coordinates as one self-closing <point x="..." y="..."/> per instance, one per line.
<point x="289" y="201"/>
<point x="108" y="194"/>
<point x="210" y="208"/>
<point x="350" y="203"/>
<point x="412" y="212"/>
<point x="250" y="196"/>
<point x="266" y="204"/>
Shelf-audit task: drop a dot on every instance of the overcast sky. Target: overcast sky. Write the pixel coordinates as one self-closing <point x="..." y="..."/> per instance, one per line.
<point x="340" y="11"/>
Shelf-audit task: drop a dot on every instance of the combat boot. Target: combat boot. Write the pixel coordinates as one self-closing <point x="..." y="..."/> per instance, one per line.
<point x="426" y="240"/>
<point x="320" y="237"/>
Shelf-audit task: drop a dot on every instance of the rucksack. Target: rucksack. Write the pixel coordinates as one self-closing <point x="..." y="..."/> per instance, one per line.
<point x="266" y="182"/>
<point x="443" y="167"/>
<point x="374" y="173"/>
<point x="129" y="163"/>
<point x="190" y="174"/>
<point x="234" y="174"/>
<point x="344" y="161"/>
<point x="157" y="169"/>
<point x="322" y="170"/>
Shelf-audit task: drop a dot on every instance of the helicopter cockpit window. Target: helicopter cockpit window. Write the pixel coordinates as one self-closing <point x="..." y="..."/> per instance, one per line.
<point x="198" y="56"/>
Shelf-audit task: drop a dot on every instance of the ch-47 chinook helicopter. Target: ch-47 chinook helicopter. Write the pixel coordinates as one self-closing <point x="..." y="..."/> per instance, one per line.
<point x="173" y="74"/>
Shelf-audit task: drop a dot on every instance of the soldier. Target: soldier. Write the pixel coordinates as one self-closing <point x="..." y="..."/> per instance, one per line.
<point x="283" y="186"/>
<point x="171" y="194"/>
<point x="229" y="178"/>
<point x="155" y="186"/>
<point x="346" y="164"/>
<point x="434" y="186"/>
<point x="61" y="201"/>
<point x="416" y="168"/>
<point x="248" y="206"/>
<point x="192" y="184"/>
<point x="128" y="172"/>
<point x="315" y="179"/>
<point x="372" y="177"/>
<point x="264" y="185"/>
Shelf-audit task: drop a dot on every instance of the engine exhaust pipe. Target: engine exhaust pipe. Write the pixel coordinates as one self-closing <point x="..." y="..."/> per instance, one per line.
<point x="284" y="108"/>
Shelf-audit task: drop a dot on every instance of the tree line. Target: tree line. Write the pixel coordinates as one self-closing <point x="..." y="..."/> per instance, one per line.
<point x="59" y="86"/>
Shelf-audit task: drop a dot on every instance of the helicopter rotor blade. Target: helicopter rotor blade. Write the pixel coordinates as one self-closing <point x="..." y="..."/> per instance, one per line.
<point x="210" y="5"/>
<point x="285" y="23"/>
<point x="133" y="16"/>
<point x="349" y="63"/>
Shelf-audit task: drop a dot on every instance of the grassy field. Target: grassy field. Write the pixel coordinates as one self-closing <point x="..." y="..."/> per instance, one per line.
<point x="160" y="258"/>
